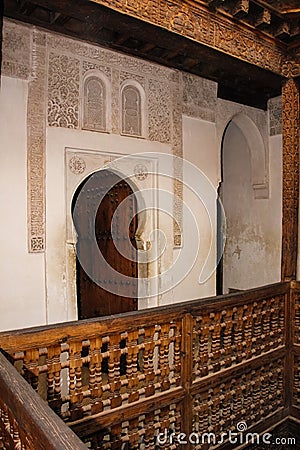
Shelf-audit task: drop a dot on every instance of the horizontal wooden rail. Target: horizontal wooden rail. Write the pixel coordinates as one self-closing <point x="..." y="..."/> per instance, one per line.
<point x="26" y="421"/>
<point x="57" y="333"/>
<point x="201" y="365"/>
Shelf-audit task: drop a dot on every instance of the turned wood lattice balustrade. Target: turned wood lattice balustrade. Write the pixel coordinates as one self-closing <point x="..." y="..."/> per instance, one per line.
<point x="200" y="366"/>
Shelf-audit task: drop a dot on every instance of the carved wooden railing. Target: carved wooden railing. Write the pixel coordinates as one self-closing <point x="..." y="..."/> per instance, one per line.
<point x="294" y="350"/>
<point x="26" y="421"/>
<point x="201" y="366"/>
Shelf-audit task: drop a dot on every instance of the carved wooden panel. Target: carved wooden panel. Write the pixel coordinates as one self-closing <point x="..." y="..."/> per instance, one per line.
<point x="296" y="328"/>
<point x="11" y="436"/>
<point x="193" y="21"/>
<point x="290" y="177"/>
<point x="227" y="337"/>
<point x="296" y="382"/>
<point x="83" y="377"/>
<point x="140" y="431"/>
<point x="248" y="396"/>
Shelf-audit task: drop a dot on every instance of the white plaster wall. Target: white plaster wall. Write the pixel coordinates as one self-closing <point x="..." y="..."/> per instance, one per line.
<point x="21" y="274"/>
<point x="253" y="245"/>
<point x="200" y="149"/>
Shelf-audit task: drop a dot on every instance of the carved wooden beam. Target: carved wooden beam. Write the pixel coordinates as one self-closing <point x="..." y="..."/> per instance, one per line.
<point x="213" y="4"/>
<point x="290" y="176"/>
<point x="283" y="30"/>
<point x="195" y="21"/>
<point x="263" y="19"/>
<point x="54" y="16"/>
<point x="147" y="47"/>
<point x="241" y="8"/>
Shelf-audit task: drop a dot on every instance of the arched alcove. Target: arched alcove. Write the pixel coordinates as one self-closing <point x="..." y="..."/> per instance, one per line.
<point x="96" y="98"/>
<point x="258" y="155"/>
<point x="252" y="249"/>
<point x="133" y="109"/>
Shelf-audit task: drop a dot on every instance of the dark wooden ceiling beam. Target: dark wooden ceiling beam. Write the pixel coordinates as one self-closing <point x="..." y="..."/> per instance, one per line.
<point x="122" y="38"/>
<point x="54" y="16"/>
<point x="147" y="47"/>
<point x="25" y="7"/>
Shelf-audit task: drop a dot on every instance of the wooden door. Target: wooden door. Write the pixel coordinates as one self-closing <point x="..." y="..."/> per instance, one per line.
<point x="105" y="297"/>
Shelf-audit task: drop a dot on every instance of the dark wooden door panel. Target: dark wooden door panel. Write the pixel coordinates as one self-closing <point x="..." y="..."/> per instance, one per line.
<point x="99" y="293"/>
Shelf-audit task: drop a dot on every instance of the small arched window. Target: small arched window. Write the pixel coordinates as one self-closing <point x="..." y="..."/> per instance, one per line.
<point x="94" y="108"/>
<point x="131" y="111"/>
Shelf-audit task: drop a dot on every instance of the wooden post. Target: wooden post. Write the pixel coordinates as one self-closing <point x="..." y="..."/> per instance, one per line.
<point x="187" y="373"/>
<point x="290" y="178"/>
<point x="1" y="30"/>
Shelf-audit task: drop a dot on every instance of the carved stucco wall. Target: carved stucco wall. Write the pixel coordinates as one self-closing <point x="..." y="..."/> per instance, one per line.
<point x="24" y="57"/>
<point x="55" y="67"/>
<point x="275" y="116"/>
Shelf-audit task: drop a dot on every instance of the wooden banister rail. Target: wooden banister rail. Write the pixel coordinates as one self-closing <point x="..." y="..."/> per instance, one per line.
<point x="26" y="421"/>
<point x="199" y="366"/>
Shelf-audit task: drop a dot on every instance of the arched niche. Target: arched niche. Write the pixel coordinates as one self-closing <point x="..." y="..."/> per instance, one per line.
<point x="96" y="99"/>
<point x="258" y="154"/>
<point x="133" y="117"/>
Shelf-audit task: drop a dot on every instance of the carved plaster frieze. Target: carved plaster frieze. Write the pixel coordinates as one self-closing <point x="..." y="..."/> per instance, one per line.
<point x="275" y="116"/>
<point x="106" y="57"/>
<point x="124" y="76"/>
<point x="55" y="67"/>
<point x="115" y="100"/>
<point x="77" y="165"/>
<point x="89" y="65"/>
<point x="177" y="95"/>
<point x="162" y="87"/>
<point x="199" y="97"/>
<point x="159" y="111"/>
<point x="16" y="46"/>
<point x="36" y="145"/>
<point x="63" y="91"/>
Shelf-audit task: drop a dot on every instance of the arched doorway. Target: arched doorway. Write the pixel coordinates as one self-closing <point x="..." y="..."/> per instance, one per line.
<point x="98" y="293"/>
